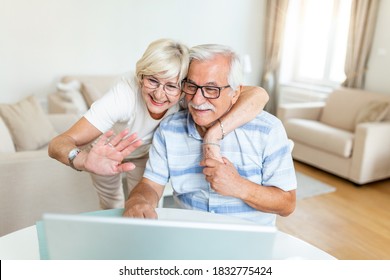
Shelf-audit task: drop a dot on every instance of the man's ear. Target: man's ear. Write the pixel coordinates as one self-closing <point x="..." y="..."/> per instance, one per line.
<point x="236" y="94"/>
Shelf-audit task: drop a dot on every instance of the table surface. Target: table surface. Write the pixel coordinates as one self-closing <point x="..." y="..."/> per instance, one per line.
<point x="23" y="244"/>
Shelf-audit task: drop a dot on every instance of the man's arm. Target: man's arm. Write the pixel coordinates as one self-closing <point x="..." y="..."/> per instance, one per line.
<point x="225" y="180"/>
<point x="143" y="200"/>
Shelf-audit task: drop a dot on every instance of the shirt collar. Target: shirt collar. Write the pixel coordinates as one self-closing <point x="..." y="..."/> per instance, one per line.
<point x="192" y="131"/>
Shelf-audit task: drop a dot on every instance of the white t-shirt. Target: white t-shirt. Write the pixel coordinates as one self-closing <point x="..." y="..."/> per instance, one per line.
<point x="123" y="107"/>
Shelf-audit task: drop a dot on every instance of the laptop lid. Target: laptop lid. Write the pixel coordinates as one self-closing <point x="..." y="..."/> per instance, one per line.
<point x="91" y="237"/>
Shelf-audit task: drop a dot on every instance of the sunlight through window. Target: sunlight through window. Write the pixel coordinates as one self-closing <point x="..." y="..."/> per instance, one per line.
<point x="315" y="42"/>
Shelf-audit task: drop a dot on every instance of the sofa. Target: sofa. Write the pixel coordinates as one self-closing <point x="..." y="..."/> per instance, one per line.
<point x="347" y="135"/>
<point x="32" y="183"/>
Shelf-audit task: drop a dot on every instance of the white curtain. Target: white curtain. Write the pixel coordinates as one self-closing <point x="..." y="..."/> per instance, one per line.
<point x="274" y="28"/>
<point x="360" y="37"/>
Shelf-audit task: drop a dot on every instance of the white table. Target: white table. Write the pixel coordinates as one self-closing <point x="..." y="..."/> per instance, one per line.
<point x="23" y="244"/>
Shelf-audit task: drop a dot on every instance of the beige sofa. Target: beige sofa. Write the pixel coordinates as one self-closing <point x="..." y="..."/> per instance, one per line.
<point x="348" y="135"/>
<point x="32" y="183"/>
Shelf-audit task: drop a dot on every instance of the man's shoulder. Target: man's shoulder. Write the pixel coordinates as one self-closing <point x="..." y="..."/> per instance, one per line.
<point x="266" y="119"/>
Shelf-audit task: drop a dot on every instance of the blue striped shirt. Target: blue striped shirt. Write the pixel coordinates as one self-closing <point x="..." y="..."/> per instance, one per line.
<point x="259" y="150"/>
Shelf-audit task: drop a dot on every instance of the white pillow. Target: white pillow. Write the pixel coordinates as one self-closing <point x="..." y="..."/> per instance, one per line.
<point x="70" y="92"/>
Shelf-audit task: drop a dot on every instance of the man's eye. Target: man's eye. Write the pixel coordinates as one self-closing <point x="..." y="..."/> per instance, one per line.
<point x="211" y="90"/>
<point x="191" y="87"/>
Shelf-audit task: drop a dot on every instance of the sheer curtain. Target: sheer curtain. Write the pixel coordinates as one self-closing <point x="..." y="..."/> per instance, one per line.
<point x="360" y="37"/>
<point x="274" y="28"/>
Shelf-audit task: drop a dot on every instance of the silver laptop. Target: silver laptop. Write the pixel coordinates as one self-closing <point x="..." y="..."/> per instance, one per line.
<point x="80" y="237"/>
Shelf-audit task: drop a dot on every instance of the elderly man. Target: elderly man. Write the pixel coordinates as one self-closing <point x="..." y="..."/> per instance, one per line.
<point x="252" y="178"/>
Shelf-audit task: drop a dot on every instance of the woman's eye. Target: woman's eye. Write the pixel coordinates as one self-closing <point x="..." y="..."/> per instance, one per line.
<point x="172" y="87"/>
<point x="153" y="82"/>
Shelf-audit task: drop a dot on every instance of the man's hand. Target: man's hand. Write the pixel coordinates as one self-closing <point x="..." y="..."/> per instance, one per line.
<point x="137" y="207"/>
<point x="106" y="156"/>
<point x="223" y="177"/>
<point x="143" y="200"/>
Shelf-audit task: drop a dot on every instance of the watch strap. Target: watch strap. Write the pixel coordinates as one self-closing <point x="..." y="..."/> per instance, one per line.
<point x="71" y="156"/>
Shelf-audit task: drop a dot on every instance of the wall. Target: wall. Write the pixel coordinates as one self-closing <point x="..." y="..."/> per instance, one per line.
<point x="377" y="78"/>
<point x="42" y="40"/>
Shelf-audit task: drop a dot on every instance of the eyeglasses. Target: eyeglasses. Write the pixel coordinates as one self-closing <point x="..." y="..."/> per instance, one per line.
<point x="209" y="92"/>
<point x="169" y="88"/>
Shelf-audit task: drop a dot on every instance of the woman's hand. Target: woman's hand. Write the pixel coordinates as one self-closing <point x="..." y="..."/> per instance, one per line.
<point x="107" y="155"/>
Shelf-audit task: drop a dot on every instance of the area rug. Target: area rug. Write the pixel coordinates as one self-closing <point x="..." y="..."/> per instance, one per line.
<point x="309" y="187"/>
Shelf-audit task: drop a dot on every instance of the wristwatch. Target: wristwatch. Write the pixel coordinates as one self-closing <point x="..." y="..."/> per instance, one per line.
<point x="71" y="156"/>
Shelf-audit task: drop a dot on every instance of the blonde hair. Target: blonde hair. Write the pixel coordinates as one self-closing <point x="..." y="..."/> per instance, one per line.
<point x="164" y="58"/>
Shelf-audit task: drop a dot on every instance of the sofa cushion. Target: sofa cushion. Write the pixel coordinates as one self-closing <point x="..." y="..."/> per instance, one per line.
<point x="7" y="145"/>
<point x="28" y="124"/>
<point x="321" y="136"/>
<point x="375" y="111"/>
<point x="344" y="104"/>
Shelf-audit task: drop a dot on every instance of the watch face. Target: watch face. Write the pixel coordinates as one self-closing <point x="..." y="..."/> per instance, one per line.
<point x="73" y="153"/>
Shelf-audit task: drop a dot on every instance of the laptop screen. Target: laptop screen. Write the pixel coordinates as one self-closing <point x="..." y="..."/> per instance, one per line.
<point x="92" y="237"/>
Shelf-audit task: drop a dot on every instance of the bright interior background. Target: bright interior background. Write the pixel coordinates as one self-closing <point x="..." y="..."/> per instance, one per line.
<point x="43" y="40"/>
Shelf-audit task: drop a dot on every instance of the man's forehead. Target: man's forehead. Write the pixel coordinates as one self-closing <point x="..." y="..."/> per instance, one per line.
<point x="211" y="70"/>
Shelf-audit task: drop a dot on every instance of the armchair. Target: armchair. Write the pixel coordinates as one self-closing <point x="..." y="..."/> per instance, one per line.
<point x="348" y="135"/>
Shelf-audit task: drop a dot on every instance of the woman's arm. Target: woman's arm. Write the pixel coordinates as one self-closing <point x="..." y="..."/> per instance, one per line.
<point x="250" y="103"/>
<point x="102" y="158"/>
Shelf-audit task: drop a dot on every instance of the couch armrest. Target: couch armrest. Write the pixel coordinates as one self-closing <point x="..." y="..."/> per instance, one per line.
<point x="308" y="110"/>
<point x="371" y="152"/>
<point x="62" y="122"/>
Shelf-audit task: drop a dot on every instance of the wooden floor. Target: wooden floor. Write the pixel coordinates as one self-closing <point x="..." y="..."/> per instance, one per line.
<point x="352" y="223"/>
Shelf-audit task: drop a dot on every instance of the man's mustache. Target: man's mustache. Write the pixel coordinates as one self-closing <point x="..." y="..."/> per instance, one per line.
<point x="204" y="106"/>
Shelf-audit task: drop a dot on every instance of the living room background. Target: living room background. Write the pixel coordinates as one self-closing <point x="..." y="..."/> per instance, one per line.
<point x="43" y="40"/>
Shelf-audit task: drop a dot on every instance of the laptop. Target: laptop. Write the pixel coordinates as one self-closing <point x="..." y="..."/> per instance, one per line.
<point x="80" y="237"/>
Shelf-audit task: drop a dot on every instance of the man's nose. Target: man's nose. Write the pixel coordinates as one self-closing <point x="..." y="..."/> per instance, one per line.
<point x="198" y="98"/>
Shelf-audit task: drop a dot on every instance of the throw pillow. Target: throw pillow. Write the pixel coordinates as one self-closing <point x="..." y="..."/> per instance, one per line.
<point x="375" y="111"/>
<point x="90" y="93"/>
<point x="28" y="124"/>
<point x="70" y="92"/>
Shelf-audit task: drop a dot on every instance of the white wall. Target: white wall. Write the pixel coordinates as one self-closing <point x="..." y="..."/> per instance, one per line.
<point x="378" y="72"/>
<point x="42" y="40"/>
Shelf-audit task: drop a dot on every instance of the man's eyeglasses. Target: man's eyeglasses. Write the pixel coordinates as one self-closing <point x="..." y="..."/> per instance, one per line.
<point x="210" y="92"/>
<point x="169" y="88"/>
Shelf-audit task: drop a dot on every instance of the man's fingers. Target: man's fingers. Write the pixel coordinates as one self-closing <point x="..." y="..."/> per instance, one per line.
<point x="209" y="162"/>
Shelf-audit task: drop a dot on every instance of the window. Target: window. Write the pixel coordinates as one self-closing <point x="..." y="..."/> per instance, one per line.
<point x="315" y="43"/>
